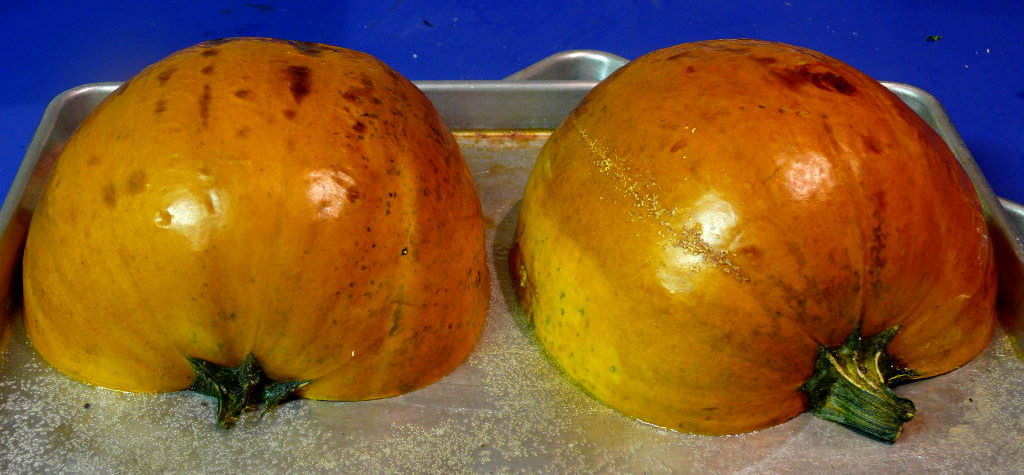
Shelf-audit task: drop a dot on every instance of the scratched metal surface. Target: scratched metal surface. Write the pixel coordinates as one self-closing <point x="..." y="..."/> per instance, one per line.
<point x="508" y="408"/>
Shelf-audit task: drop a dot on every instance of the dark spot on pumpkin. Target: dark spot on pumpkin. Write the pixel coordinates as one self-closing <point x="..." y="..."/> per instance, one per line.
<point x="678" y="145"/>
<point x="353" y="195"/>
<point x="161" y="105"/>
<point x="762" y="106"/>
<point x="289" y="114"/>
<point x="871" y="144"/>
<point x="359" y="127"/>
<point x="879" y="236"/>
<point x="245" y="94"/>
<point x="109" y="195"/>
<point x="806" y="74"/>
<point x="765" y="59"/>
<point x="216" y="42"/>
<point x="681" y="54"/>
<point x="210" y="52"/>
<point x="298" y="76"/>
<point x="242" y="132"/>
<point x="208" y="69"/>
<point x="136" y="182"/>
<point x="204" y="105"/>
<point x="93" y="160"/>
<point x="753" y="253"/>
<point x="308" y="49"/>
<point x="690" y="69"/>
<point x="834" y="82"/>
<point x="166" y="74"/>
<point x="396" y="318"/>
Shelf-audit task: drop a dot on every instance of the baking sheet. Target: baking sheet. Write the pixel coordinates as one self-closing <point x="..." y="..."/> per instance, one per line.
<point x="508" y="408"/>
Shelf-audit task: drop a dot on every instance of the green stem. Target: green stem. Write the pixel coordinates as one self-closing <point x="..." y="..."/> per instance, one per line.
<point x="241" y="389"/>
<point x="851" y="386"/>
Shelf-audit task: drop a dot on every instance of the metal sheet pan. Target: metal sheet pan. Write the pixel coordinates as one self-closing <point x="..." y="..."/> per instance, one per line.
<point x="508" y="408"/>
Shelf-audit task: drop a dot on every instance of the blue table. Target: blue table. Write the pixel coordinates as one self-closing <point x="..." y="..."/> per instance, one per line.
<point x="975" y="68"/>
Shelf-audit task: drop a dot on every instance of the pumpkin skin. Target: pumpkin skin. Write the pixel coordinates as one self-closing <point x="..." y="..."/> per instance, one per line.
<point x="297" y="201"/>
<point x="713" y="212"/>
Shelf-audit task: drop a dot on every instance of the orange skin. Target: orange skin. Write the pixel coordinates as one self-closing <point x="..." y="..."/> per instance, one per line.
<point x="299" y="201"/>
<point x="713" y="212"/>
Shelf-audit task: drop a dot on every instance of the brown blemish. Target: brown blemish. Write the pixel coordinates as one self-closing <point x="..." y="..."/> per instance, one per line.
<point x="879" y="236"/>
<point x="766" y="60"/>
<point x="109" y="195"/>
<point x="871" y="144"/>
<point x="690" y="69"/>
<point x="208" y="69"/>
<point x="136" y="182"/>
<point x="681" y="54"/>
<point x="204" y="105"/>
<point x="210" y="52"/>
<point x="166" y="74"/>
<point x="732" y="49"/>
<point x="300" y="84"/>
<point x="752" y="253"/>
<point x="289" y="114"/>
<point x="678" y="145"/>
<point x="216" y="42"/>
<point x="359" y="127"/>
<point x="161" y="105"/>
<point x="242" y="132"/>
<point x="824" y="80"/>
<point x="245" y="94"/>
<point x="353" y="195"/>
<point x="93" y="160"/>
<point x="308" y="49"/>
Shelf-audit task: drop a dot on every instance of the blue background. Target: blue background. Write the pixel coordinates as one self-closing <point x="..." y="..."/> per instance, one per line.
<point x="976" y="70"/>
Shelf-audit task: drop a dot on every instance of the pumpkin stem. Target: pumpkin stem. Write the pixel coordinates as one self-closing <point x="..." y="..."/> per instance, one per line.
<point x="851" y="386"/>
<point x="241" y="389"/>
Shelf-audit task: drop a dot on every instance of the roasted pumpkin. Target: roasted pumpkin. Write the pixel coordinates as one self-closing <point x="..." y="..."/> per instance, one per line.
<point x="296" y="211"/>
<point x="725" y="233"/>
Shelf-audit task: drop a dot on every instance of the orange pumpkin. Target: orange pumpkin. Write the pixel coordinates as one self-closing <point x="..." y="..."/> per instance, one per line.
<point x="300" y="203"/>
<point x="714" y="215"/>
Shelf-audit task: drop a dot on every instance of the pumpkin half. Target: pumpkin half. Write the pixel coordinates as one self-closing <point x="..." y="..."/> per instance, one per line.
<point x="716" y="216"/>
<point x="296" y="207"/>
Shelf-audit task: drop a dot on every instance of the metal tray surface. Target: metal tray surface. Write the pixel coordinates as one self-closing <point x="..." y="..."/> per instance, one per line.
<point x="508" y="408"/>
